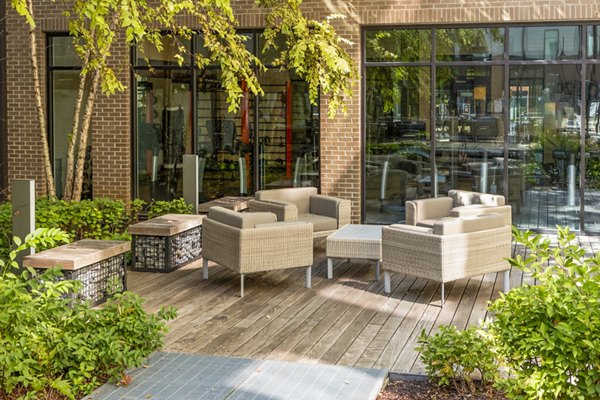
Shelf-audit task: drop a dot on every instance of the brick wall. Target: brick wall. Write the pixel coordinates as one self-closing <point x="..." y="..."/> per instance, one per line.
<point x="340" y="137"/>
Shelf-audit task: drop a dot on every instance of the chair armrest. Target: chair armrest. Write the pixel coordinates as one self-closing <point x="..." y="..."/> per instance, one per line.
<point x="333" y="207"/>
<point x="283" y="210"/>
<point x="427" y="209"/>
<point x="477" y="209"/>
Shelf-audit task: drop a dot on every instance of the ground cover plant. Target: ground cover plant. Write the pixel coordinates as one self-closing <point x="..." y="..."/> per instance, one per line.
<point x="89" y="219"/>
<point x="52" y="346"/>
<point x="545" y="337"/>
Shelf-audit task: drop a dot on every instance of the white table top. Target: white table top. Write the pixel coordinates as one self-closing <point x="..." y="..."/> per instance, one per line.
<point x="358" y="231"/>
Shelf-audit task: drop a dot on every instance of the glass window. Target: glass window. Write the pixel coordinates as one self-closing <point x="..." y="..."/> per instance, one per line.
<point x="271" y="141"/>
<point x="593" y="41"/>
<point x="63" y="53"/>
<point x="398" y="140"/>
<point x="544" y="43"/>
<point x="164" y="131"/>
<point x="470" y="44"/>
<point x="469" y="129"/>
<point x="400" y="45"/>
<point x="63" y="77"/>
<point x="148" y="54"/>
<point x="592" y="152"/>
<point x="200" y="49"/>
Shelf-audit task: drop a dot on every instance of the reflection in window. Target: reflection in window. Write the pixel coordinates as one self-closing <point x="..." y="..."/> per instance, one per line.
<point x="398" y="141"/>
<point x="469" y="129"/>
<point x="469" y="44"/>
<point x="147" y="53"/>
<point x="404" y="45"/>
<point x="164" y="131"/>
<point x="544" y="43"/>
<point x="63" y="77"/>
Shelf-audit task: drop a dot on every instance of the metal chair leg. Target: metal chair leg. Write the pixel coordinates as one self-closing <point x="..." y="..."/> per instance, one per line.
<point x="308" y="280"/>
<point x="387" y="286"/>
<point x="443" y="294"/>
<point x="506" y="277"/>
<point x="241" y="285"/>
<point x="205" y="268"/>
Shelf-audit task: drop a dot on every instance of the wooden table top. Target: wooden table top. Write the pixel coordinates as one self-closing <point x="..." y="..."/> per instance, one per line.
<point x="234" y="203"/>
<point x="78" y="254"/>
<point x="166" y="225"/>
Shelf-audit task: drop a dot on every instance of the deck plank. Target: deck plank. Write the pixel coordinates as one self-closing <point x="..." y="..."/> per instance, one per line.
<point x="347" y="320"/>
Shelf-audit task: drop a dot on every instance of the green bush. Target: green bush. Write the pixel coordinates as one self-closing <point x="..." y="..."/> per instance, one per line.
<point x="51" y="344"/>
<point x="457" y="357"/>
<point x="88" y="219"/>
<point x="548" y="334"/>
<point x="177" y="206"/>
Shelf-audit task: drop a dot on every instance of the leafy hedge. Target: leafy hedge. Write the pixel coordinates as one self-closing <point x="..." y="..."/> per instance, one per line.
<point x="545" y="337"/>
<point x="91" y="219"/>
<point x="54" y="347"/>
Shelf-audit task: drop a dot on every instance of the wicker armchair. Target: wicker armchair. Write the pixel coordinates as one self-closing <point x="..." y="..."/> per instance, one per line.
<point x="459" y="203"/>
<point x="326" y="213"/>
<point x="454" y="248"/>
<point x="255" y="242"/>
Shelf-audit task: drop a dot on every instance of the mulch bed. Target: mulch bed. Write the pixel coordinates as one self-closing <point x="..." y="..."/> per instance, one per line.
<point x="424" y="390"/>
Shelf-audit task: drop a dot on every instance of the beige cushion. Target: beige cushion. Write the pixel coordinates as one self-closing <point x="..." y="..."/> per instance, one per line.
<point x="412" y="228"/>
<point x="324" y="205"/>
<point x="280" y="224"/>
<point x="320" y="222"/>
<point x="454" y="226"/>
<point x="298" y="196"/>
<point x="240" y="220"/>
<point x="427" y="223"/>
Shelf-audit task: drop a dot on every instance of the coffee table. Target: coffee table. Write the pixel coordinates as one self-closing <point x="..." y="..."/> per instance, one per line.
<point x="355" y="241"/>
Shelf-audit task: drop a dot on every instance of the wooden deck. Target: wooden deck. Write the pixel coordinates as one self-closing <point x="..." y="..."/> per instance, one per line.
<point x="347" y="320"/>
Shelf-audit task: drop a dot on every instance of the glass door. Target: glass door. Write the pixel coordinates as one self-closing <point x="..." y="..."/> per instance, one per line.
<point x="544" y="144"/>
<point x="288" y="135"/>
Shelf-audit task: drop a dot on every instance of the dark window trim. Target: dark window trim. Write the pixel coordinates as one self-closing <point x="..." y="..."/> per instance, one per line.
<point x="3" y="126"/>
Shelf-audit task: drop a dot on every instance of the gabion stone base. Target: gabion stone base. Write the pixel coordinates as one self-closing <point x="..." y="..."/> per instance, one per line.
<point x="166" y="253"/>
<point x="100" y="280"/>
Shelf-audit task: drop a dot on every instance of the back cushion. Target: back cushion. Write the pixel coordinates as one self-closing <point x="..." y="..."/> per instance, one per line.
<point x="466" y="198"/>
<point x="453" y="226"/>
<point x="298" y="196"/>
<point x="240" y="220"/>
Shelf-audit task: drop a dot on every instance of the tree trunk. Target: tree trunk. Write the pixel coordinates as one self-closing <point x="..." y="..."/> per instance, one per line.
<point x="49" y="176"/>
<point x="70" y="178"/>
<point x="83" y="136"/>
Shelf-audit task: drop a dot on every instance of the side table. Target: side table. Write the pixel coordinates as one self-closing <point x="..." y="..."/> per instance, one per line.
<point x="355" y="241"/>
<point x="165" y="243"/>
<point x="99" y="264"/>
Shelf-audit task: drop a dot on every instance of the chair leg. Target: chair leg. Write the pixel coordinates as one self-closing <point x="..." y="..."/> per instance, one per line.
<point x="387" y="286"/>
<point x="377" y="270"/>
<point x="443" y="294"/>
<point x="241" y="285"/>
<point x="506" y="281"/>
<point x="329" y="268"/>
<point x="307" y="278"/>
<point x="205" y="268"/>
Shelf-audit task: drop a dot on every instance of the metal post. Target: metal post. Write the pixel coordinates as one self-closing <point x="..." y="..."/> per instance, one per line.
<point x="23" y="207"/>
<point x="190" y="181"/>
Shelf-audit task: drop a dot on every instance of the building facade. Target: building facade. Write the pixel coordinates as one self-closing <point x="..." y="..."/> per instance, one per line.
<point x="495" y="96"/>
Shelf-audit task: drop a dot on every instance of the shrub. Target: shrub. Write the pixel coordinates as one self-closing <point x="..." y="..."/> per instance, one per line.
<point x="177" y="206"/>
<point x="50" y="343"/>
<point x="549" y="333"/>
<point x="456" y="357"/>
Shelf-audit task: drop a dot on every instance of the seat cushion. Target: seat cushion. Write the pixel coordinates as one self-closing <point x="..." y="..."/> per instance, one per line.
<point x="240" y="220"/>
<point x="320" y="222"/>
